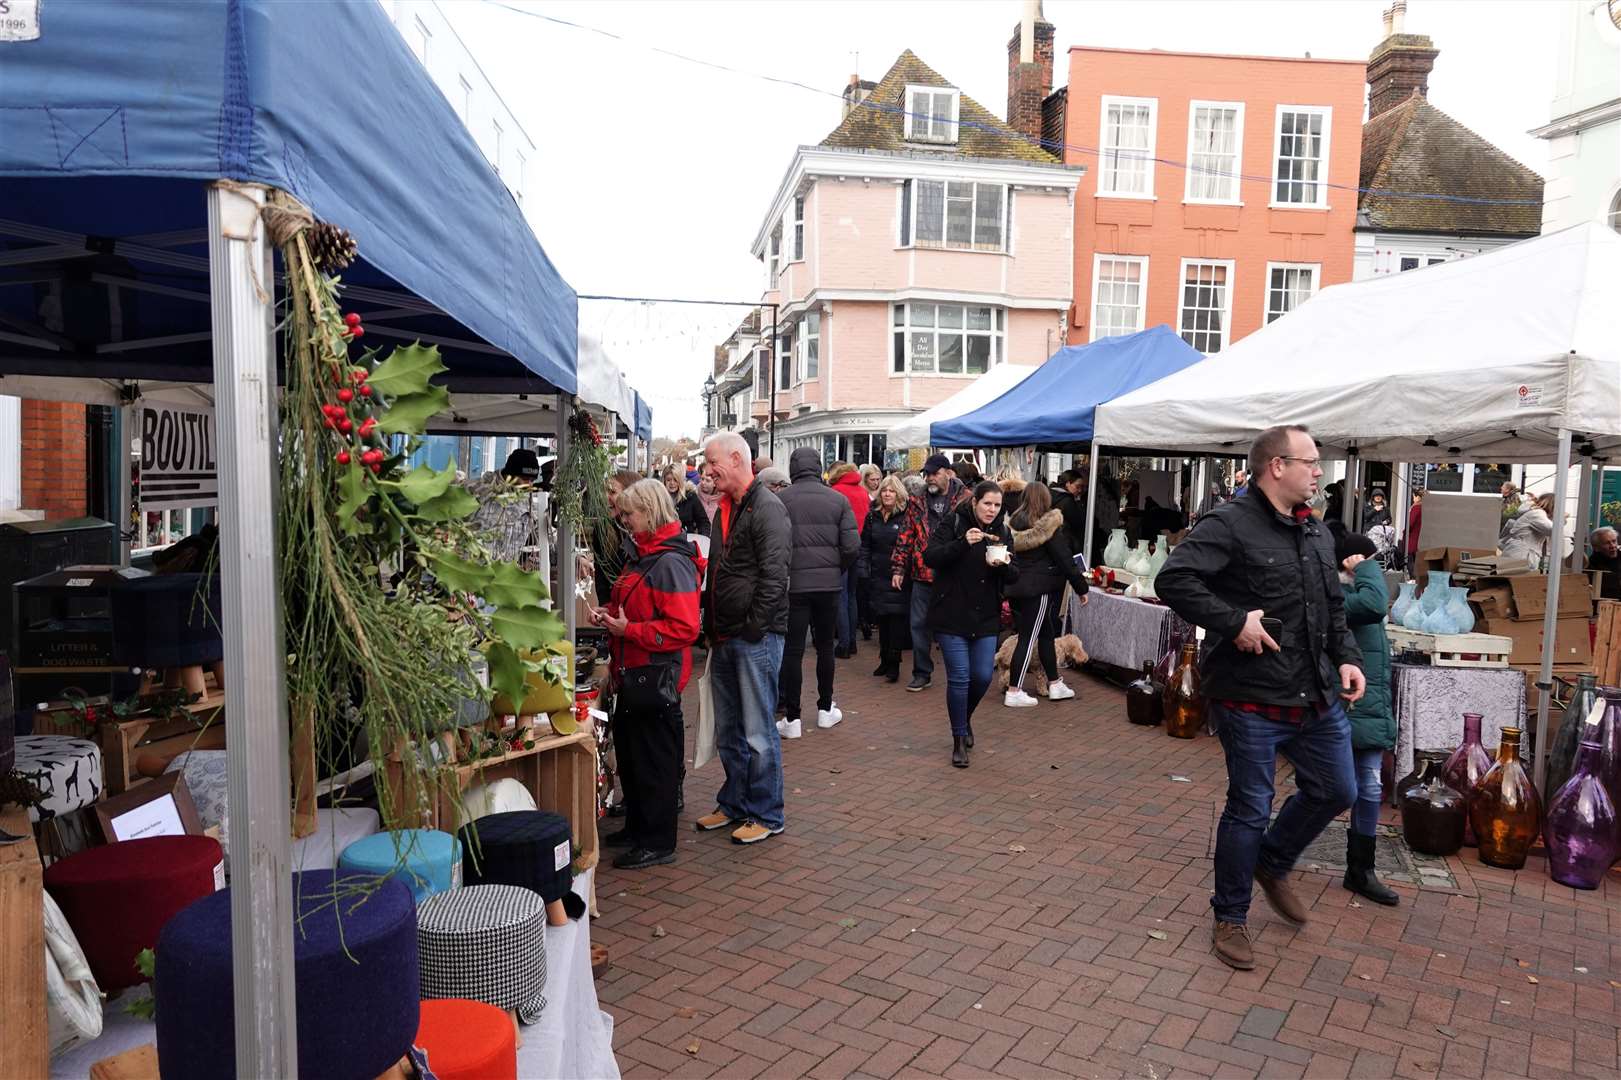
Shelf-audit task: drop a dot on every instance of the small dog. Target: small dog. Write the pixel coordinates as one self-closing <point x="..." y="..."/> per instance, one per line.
<point x="1071" y="654"/>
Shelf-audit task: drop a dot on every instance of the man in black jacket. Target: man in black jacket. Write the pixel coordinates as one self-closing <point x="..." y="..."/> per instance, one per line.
<point x="1259" y="574"/>
<point x="746" y="616"/>
<point x="825" y="546"/>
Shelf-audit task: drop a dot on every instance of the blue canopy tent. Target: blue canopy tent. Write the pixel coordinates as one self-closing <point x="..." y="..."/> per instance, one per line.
<point x="644" y="426"/>
<point x="139" y="143"/>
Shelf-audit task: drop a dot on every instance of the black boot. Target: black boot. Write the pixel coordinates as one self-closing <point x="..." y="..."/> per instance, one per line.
<point x="959" y="751"/>
<point x="1359" y="875"/>
<point x="881" y="669"/>
<point x="968" y="740"/>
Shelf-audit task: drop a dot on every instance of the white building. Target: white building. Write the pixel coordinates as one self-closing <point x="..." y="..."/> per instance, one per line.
<point x="1584" y="136"/>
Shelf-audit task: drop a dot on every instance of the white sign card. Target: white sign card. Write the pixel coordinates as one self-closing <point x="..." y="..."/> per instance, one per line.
<point x="159" y="817"/>
<point x="19" y="20"/>
<point x="177" y="457"/>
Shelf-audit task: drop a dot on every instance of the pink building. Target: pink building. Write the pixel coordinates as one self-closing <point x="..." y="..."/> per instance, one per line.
<point x="918" y="245"/>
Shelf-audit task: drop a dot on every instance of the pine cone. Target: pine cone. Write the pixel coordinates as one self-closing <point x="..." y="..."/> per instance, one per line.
<point x="17" y="788"/>
<point x="332" y="248"/>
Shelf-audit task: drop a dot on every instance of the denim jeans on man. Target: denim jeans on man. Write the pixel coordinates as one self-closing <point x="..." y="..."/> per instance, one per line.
<point x="970" y="662"/>
<point x="849" y="619"/>
<point x="744" y="678"/>
<point x="1369" y="790"/>
<point x="1320" y="751"/>
<point x="922" y="636"/>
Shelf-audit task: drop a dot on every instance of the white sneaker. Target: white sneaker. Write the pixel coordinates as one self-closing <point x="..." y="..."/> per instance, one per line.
<point x="788" y="729"/>
<point x="1016" y="698"/>
<point x="1057" y="691"/>
<point x="826" y="718"/>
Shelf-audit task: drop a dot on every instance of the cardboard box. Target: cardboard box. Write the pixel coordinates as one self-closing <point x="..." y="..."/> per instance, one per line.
<point x="1524" y="597"/>
<point x="1446" y="558"/>
<point x="1573" y="643"/>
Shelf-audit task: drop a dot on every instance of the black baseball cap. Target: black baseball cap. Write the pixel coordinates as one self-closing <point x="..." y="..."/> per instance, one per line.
<point x="522" y="465"/>
<point x="935" y="463"/>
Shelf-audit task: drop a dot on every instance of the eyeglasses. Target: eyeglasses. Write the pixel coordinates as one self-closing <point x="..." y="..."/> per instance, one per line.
<point x="1308" y="462"/>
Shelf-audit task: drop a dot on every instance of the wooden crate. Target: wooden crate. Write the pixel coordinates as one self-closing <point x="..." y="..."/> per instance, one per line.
<point x="1607" y="644"/>
<point x="1454" y="650"/>
<point x="23" y="1049"/>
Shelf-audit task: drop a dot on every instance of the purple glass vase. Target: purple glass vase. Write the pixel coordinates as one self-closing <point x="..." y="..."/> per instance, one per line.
<point x="1581" y="826"/>
<point x="1608" y="736"/>
<point x="1468" y="763"/>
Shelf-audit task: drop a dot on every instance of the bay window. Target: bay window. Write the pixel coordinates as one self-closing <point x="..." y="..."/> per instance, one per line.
<point x="958" y="214"/>
<point x="799" y="227"/>
<point x="810" y="345"/>
<point x="947" y="339"/>
<point x="785" y="361"/>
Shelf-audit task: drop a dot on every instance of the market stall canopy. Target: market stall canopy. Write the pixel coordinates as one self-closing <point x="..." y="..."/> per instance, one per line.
<point x="644" y="419"/>
<point x="117" y="116"/>
<point x="914" y="430"/>
<point x="601" y="384"/>
<point x="1054" y="406"/>
<point x="1483" y="358"/>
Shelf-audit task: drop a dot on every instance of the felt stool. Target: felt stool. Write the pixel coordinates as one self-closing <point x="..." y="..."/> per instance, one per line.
<point x="354" y="972"/>
<point x="66" y="769"/>
<point x="432" y="859"/>
<point x="467" y="1040"/>
<point x="529" y="848"/>
<point x="486" y="943"/>
<point x="118" y="897"/>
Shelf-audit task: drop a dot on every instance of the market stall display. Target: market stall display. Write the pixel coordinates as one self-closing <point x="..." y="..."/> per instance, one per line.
<point x="531" y="849"/>
<point x="1124" y="632"/>
<point x="486" y="943"/>
<point x="1431" y="701"/>
<point x="467" y="1040"/>
<point x="427" y="860"/>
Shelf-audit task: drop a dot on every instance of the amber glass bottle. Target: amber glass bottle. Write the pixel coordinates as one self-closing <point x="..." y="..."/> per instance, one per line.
<point x="1504" y="808"/>
<point x="1184" y="703"/>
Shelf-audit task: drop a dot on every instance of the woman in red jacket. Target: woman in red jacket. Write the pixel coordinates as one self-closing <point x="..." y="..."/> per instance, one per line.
<point x="845" y="479"/>
<point x="653" y="617"/>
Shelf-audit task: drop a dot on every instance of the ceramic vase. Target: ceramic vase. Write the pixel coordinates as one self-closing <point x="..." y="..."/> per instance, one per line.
<point x="1404" y="600"/>
<point x="1138" y="563"/>
<point x="1505" y="811"/>
<point x="1438" y="621"/>
<point x="1467" y="764"/>
<point x="1434" y="597"/>
<point x="1433" y="816"/>
<point x="1572" y="729"/>
<point x="1580" y="830"/>
<point x="1143" y="705"/>
<point x="1183" y="700"/>
<point x="1162" y="551"/>
<point x="1463" y="616"/>
<point x="1114" y="552"/>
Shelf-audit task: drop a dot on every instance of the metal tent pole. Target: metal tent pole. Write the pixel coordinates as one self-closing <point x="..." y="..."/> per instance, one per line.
<point x="1584" y="504"/>
<point x="259" y="785"/>
<point x="564" y="600"/>
<point x="1550" y="617"/>
<point x="1353" y="475"/>
<point x="1091" y="501"/>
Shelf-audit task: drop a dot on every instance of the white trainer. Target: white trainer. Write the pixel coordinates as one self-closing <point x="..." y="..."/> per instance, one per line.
<point x="1016" y="698"/>
<point x="826" y="718"/>
<point x="788" y="729"/>
<point x="1057" y="691"/>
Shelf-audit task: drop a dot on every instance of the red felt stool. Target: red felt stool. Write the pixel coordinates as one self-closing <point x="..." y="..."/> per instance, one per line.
<point x="117" y="897"/>
<point x="468" y="1040"/>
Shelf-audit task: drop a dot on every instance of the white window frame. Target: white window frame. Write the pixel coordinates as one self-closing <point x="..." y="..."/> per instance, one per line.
<point x="1142" y="292"/>
<point x="808" y="337"/>
<point x="1148" y="161"/>
<point x="910" y="195"/>
<point x="787" y="362"/>
<point x="1266" y="287"/>
<point x="464" y="91"/>
<point x="1238" y="154"/>
<point x="997" y="334"/>
<point x="495" y="125"/>
<point x="796" y="211"/>
<point x="424" y="38"/>
<point x="523" y="169"/>
<point x="948" y="137"/>
<point x="774" y="260"/>
<point x="1227" y="309"/>
<point x="1327" y="112"/>
<point x="1424" y="259"/>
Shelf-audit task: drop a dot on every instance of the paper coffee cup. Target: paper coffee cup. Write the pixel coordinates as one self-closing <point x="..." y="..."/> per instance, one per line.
<point x="996" y="554"/>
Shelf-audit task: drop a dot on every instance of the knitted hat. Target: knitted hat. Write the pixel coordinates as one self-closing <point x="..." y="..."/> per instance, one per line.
<point x="1354" y="544"/>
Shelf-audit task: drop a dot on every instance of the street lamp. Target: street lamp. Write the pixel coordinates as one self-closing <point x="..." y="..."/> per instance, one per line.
<point x="709" y="401"/>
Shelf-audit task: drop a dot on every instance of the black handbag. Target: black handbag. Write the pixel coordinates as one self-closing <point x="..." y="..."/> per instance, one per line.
<point x="650" y="686"/>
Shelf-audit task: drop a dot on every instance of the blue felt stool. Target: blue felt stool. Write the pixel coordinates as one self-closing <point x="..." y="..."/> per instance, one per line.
<point x="358" y="984"/>
<point x="433" y="859"/>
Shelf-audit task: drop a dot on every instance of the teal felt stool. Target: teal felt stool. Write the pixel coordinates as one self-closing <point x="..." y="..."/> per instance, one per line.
<point x="432" y="859"/>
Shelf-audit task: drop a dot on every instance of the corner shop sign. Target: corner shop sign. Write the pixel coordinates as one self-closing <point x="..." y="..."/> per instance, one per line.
<point x="177" y="457"/>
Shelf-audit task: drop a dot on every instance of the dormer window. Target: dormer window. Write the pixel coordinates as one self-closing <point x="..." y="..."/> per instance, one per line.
<point x="931" y="114"/>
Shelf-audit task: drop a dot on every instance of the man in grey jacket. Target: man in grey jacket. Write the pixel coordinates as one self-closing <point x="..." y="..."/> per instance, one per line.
<point x="825" y="545"/>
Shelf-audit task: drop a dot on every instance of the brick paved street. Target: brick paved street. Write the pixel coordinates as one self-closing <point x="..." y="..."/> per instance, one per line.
<point x="1045" y="913"/>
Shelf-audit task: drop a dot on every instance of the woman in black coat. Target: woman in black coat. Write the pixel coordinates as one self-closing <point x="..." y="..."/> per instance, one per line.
<point x="970" y="554"/>
<point x="1042" y="553"/>
<point x="689" y="509"/>
<point x="889" y="606"/>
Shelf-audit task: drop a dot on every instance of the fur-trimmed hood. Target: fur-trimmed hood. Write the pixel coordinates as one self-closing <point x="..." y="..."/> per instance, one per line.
<point x="1045" y="528"/>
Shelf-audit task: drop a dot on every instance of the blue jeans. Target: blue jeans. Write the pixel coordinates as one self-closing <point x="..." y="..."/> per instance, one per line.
<point x="922" y="636"/>
<point x="744" y="677"/>
<point x="969" y="665"/>
<point x="848" y="619"/>
<point x="1320" y="751"/>
<point x="1365" y="813"/>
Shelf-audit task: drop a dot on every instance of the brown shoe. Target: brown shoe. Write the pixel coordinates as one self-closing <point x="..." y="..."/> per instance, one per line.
<point x="712" y="821"/>
<point x="1282" y="898"/>
<point x="1231" y="942"/>
<point x="752" y="832"/>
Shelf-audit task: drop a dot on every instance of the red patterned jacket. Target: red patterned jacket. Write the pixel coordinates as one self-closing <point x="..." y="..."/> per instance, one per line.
<point x="923" y="513"/>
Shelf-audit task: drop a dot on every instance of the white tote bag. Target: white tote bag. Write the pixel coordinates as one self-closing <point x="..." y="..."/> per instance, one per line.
<point x="704" y="749"/>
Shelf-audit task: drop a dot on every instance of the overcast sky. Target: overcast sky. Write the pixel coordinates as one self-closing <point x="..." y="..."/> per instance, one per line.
<point x="652" y="174"/>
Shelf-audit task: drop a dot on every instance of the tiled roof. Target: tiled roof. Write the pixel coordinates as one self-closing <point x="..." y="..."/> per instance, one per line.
<point x="1417" y="149"/>
<point x="879" y="122"/>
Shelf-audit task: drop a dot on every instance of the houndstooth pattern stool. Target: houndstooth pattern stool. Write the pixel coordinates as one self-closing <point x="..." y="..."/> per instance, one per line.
<point x="485" y="943"/>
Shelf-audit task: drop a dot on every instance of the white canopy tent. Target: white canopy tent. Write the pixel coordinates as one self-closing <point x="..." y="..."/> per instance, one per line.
<point x="914" y="430"/>
<point x="1509" y="356"/>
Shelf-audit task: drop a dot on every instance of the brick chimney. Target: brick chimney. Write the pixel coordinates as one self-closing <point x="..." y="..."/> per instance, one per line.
<point x="1400" y="65"/>
<point x="1029" y="71"/>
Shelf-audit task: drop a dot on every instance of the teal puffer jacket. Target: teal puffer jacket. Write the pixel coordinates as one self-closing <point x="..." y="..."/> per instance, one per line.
<point x="1373" y="719"/>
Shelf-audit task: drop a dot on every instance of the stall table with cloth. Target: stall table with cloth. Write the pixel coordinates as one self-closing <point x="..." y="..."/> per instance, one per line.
<point x="1123" y="631"/>
<point x="1430" y="703"/>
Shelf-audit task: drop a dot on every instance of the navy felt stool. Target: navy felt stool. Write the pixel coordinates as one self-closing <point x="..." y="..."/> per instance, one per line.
<point x="358" y="994"/>
<point x="529" y="848"/>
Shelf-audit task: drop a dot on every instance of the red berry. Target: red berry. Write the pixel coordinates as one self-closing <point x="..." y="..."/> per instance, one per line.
<point x="346" y="425"/>
<point x="343" y="457"/>
<point x="365" y="391"/>
<point x="376" y="467"/>
<point x="357" y="332"/>
<point x="329" y="423"/>
<point x="366" y="426"/>
<point x="361" y="375"/>
<point x="352" y="319"/>
<point x="346" y="395"/>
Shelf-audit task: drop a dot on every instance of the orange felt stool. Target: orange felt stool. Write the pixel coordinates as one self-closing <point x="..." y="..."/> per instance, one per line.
<point x="468" y="1040"/>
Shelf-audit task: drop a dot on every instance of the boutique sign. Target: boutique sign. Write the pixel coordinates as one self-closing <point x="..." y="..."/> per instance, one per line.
<point x="177" y="457"/>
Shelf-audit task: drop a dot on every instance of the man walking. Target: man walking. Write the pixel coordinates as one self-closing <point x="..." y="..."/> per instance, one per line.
<point x="825" y="545"/>
<point x="941" y="494"/>
<point x="1259" y="574"/>
<point x="746" y="614"/>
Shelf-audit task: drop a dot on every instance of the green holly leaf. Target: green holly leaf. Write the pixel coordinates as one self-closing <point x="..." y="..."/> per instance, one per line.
<point x="459" y="575"/>
<point x="527" y="628"/>
<point x="409" y="413"/>
<point x="453" y="505"/>
<point x="423" y="483"/>
<point x="507" y="671"/>
<point x="352" y="496"/>
<point x="512" y="588"/>
<point x="406" y="371"/>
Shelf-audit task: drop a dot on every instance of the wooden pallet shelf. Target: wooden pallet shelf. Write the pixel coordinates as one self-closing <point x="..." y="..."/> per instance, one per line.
<point x="1454" y="650"/>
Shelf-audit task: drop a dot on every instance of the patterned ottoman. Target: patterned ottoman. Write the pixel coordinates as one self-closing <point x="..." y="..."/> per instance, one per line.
<point x="66" y="769"/>
<point x="530" y="848"/>
<point x="485" y="943"/>
<point x="207" y="777"/>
